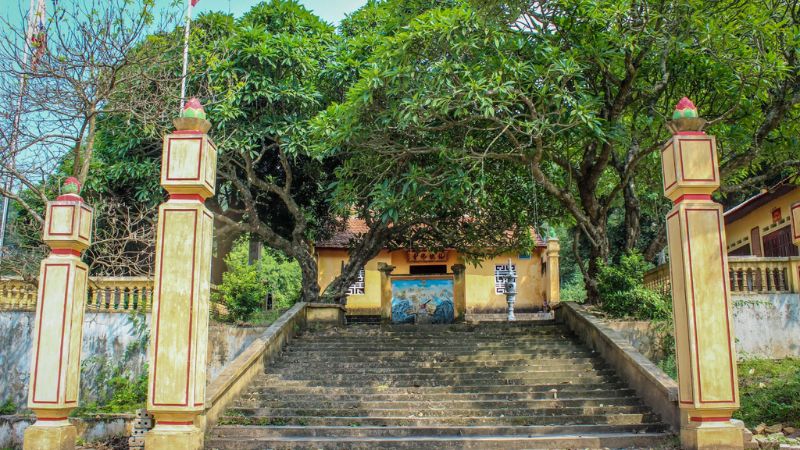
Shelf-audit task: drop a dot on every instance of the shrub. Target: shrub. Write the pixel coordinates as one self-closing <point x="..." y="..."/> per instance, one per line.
<point x="8" y="408"/>
<point x="622" y="291"/>
<point x="245" y="286"/>
<point x="575" y="289"/>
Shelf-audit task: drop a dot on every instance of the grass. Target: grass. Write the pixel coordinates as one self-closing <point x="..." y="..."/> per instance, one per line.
<point x="769" y="391"/>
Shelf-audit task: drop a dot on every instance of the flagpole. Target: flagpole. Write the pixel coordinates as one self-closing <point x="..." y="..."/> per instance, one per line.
<point x="9" y="182"/>
<point x="186" y="52"/>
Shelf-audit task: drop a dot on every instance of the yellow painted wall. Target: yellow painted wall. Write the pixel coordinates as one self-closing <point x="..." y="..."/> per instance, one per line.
<point x="531" y="286"/>
<point x="329" y="262"/>
<point x="738" y="232"/>
<point x="480" y="291"/>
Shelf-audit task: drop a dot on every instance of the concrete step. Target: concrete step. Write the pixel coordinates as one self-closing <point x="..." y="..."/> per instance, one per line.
<point x="412" y="411"/>
<point x="503" y="317"/>
<point x="262" y="432"/>
<point x="437" y="366"/>
<point x="600" y="440"/>
<point x="443" y="355"/>
<point x="366" y="403"/>
<point x="417" y="420"/>
<point x="436" y="369"/>
<point x="555" y="344"/>
<point x="481" y="389"/>
<point x="348" y="395"/>
<point x="466" y="382"/>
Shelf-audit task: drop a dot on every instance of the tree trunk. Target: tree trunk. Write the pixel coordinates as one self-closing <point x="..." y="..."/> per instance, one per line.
<point x="224" y="247"/>
<point x="598" y="254"/>
<point x="254" y="250"/>
<point x="632" y="214"/>
<point x="309" y="288"/>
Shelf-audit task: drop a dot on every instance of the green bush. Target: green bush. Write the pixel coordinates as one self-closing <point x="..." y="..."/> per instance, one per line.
<point x="575" y="289"/>
<point x="622" y="291"/>
<point x="244" y="286"/>
<point x="8" y="408"/>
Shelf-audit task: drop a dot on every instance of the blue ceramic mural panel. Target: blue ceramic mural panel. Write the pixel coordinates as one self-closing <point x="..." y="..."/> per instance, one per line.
<point x="422" y="300"/>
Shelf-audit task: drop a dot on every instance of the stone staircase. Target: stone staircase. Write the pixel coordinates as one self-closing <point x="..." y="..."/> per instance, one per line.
<point x="492" y="385"/>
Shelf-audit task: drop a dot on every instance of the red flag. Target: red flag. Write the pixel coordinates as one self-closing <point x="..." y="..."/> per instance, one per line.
<point x="37" y="34"/>
<point x="194" y="2"/>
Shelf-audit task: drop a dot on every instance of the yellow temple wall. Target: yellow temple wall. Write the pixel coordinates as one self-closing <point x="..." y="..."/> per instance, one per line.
<point x="481" y="296"/>
<point x="480" y="290"/>
<point x="738" y="232"/>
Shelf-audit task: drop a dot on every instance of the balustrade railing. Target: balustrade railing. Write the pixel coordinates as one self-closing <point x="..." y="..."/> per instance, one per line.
<point x="746" y="275"/>
<point x="105" y="294"/>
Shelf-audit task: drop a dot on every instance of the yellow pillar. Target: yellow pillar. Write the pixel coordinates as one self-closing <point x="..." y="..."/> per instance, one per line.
<point x="54" y="384"/>
<point x="708" y="387"/>
<point x="795" y="267"/>
<point x="552" y="272"/>
<point x="386" y="291"/>
<point x="179" y="331"/>
<point x="459" y="291"/>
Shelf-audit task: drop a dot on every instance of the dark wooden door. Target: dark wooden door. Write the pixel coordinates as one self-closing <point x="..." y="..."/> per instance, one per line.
<point x="755" y="242"/>
<point x="779" y="243"/>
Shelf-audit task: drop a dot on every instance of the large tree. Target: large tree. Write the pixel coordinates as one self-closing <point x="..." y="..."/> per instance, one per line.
<point x="578" y="92"/>
<point x="264" y="78"/>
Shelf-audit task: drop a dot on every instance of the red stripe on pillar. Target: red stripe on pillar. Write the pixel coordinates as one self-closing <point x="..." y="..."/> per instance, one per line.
<point x="710" y="419"/>
<point x="65" y="251"/>
<point x="195" y="197"/>
<point x="692" y="197"/>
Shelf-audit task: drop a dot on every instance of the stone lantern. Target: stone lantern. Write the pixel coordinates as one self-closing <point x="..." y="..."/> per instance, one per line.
<point x="510" y="287"/>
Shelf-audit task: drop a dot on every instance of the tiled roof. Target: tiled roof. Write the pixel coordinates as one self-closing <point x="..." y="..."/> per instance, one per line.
<point x="342" y="238"/>
<point x="356" y="227"/>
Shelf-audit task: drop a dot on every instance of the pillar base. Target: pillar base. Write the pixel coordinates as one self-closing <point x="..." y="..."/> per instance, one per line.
<point x="173" y="437"/>
<point x="711" y="435"/>
<point x="59" y="435"/>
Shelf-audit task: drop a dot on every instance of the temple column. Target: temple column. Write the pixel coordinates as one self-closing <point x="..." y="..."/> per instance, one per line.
<point x="54" y="384"/>
<point x="459" y="291"/>
<point x="795" y="267"/>
<point x="708" y="386"/>
<point x="552" y="272"/>
<point x="386" y="291"/>
<point x="179" y="331"/>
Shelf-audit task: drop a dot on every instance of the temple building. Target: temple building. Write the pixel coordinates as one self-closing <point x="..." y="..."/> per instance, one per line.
<point x="407" y="286"/>
<point x="761" y="225"/>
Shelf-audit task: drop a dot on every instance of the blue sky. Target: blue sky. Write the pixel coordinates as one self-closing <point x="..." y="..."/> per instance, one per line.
<point x="331" y="11"/>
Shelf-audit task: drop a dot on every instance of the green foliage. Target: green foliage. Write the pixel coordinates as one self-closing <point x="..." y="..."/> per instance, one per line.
<point x="245" y="286"/>
<point x="769" y="391"/>
<point x="574" y="290"/>
<point x="668" y="363"/>
<point x="119" y="390"/>
<point x="127" y="395"/>
<point x="622" y="293"/>
<point x="8" y="408"/>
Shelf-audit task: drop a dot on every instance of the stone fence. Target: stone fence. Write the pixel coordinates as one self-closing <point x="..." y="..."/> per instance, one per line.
<point x="746" y="275"/>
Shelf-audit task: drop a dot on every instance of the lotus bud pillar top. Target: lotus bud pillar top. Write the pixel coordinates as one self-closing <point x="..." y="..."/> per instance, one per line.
<point x="708" y="388"/>
<point x="179" y="331"/>
<point x="53" y="390"/>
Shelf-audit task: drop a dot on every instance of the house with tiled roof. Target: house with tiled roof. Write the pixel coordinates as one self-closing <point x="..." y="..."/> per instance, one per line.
<point x="407" y="286"/>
